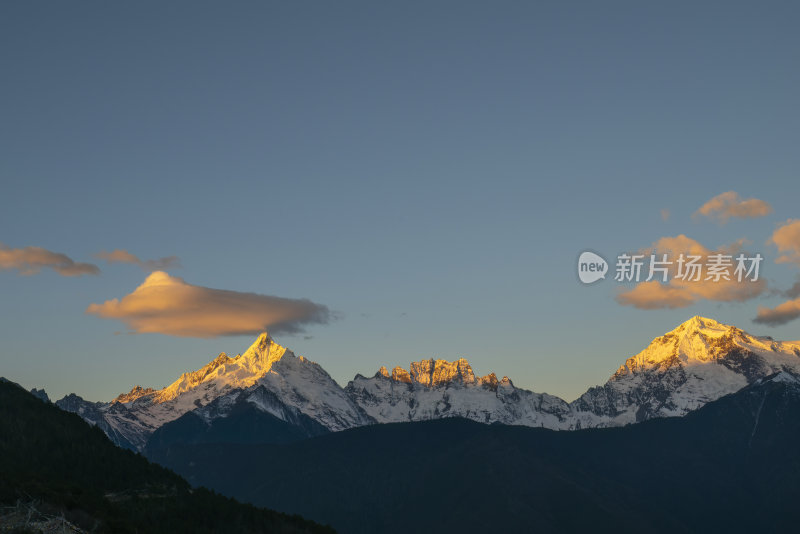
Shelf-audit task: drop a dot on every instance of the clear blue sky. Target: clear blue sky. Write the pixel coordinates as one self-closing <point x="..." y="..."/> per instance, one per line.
<point x="428" y="170"/>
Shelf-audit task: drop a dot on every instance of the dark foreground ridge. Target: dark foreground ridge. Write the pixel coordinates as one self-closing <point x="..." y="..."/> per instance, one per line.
<point x="54" y="465"/>
<point x="733" y="465"/>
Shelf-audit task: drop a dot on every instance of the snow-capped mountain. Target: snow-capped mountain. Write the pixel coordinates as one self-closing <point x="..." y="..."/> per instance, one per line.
<point x="696" y="363"/>
<point x="433" y="389"/>
<point x="299" y="383"/>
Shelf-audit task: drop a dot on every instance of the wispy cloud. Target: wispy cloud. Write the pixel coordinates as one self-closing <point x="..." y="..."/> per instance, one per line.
<point x="665" y="213"/>
<point x="726" y="205"/>
<point x="679" y="293"/>
<point x="31" y="260"/>
<point x="168" y="305"/>
<point x="787" y="238"/>
<point x="123" y="256"/>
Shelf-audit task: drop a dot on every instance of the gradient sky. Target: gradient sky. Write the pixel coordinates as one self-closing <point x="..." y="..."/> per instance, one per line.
<point x="429" y="171"/>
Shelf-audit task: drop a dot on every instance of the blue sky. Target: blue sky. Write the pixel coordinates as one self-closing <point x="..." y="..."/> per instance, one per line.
<point x="427" y="171"/>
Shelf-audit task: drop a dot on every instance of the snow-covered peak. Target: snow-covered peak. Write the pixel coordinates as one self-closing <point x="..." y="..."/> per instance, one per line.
<point x="239" y="372"/>
<point x="698" y="341"/>
<point x="264" y="349"/>
<point x="699" y="323"/>
<point x="696" y="363"/>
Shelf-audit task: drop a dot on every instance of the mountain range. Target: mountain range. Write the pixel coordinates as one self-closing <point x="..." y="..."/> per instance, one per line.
<point x="290" y="397"/>
<point x="730" y="466"/>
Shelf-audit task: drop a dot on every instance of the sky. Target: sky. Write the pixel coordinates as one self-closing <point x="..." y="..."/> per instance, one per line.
<point x="380" y="183"/>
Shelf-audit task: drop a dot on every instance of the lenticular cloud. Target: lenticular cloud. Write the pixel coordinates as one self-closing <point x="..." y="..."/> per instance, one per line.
<point x="168" y="305"/>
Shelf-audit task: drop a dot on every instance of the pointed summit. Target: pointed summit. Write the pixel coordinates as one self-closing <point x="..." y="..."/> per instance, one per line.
<point x="262" y="342"/>
<point x="698" y="323"/>
<point x="263" y="353"/>
<point x="695" y="337"/>
<point x="226" y="372"/>
<point x="697" y="340"/>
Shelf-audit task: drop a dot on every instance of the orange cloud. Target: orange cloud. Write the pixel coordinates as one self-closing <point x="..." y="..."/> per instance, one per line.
<point x="726" y="205"/>
<point x="679" y="293"/>
<point x="168" y="305"/>
<point x="31" y="260"/>
<point x="123" y="256"/>
<point x="787" y="238"/>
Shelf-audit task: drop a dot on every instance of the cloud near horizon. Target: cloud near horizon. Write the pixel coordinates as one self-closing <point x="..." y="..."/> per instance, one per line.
<point x="123" y="256"/>
<point x="31" y="260"/>
<point x="677" y="293"/>
<point x="168" y="305"/>
<point x="726" y="205"/>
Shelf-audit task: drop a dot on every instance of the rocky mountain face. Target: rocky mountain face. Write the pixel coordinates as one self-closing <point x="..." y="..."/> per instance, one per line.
<point x="696" y="363"/>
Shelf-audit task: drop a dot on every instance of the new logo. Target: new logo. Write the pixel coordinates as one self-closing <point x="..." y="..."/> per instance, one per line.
<point x="591" y="267"/>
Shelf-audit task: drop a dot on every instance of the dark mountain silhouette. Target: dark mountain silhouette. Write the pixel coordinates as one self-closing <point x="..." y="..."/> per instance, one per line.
<point x="53" y="461"/>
